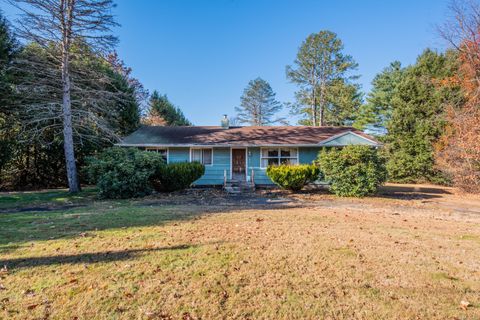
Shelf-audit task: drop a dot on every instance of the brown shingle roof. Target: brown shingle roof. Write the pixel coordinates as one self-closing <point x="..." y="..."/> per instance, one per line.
<point x="235" y="136"/>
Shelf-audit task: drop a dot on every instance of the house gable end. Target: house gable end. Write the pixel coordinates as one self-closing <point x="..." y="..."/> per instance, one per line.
<point x="347" y="138"/>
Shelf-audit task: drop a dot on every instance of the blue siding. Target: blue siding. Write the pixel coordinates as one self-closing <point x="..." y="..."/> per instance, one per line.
<point x="254" y="164"/>
<point x="178" y="155"/>
<point x="214" y="173"/>
<point x="305" y="155"/>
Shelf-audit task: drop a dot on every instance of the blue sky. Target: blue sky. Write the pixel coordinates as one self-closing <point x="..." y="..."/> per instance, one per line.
<point x="203" y="53"/>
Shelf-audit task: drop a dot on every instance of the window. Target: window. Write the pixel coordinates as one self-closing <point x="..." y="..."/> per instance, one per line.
<point x="276" y="156"/>
<point x="204" y="156"/>
<point x="162" y="151"/>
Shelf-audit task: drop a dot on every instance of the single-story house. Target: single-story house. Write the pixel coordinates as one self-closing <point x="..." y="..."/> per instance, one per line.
<point x="242" y="153"/>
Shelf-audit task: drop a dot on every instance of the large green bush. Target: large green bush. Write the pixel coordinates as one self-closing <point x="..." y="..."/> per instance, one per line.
<point x="177" y="176"/>
<point x="293" y="177"/>
<point x="353" y="171"/>
<point x="123" y="172"/>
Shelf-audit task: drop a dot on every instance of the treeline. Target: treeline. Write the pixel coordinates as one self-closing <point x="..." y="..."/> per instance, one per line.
<point x="426" y="114"/>
<point x="106" y="102"/>
<point x="65" y="95"/>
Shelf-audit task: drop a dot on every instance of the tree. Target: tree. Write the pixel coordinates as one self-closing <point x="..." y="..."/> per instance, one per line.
<point x="320" y="68"/>
<point x="59" y="28"/>
<point x="258" y="105"/>
<point x="8" y="48"/>
<point x="417" y="118"/>
<point x="129" y="109"/>
<point x="38" y="159"/>
<point x="458" y="150"/>
<point x="376" y="113"/>
<point x="163" y="112"/>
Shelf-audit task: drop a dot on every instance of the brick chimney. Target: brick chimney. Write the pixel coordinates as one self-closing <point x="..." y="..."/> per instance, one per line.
<point x="225" y="122"/>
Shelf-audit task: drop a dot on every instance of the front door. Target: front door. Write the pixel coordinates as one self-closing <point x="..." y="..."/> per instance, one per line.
<point x="238" y="164"/>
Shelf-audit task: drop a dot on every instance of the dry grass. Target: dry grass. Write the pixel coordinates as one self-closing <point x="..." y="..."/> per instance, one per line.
<point x="399" y="256"/>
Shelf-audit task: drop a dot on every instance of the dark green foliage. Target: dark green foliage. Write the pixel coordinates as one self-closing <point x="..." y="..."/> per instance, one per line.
<point x="163" y="112"/>
<point x="8" y="48"/>
<point x="417" y="118"/>
<point x="127" y="109"/>
<point x="177" y="176"/>
<point x="293" y="177"/>
<point x="37" y="158"/>
<point x="123" y="172"/>
<point x="258" y="105"/>
<point x="322" y="71"/>
<point x="376" y="113"/>
<point x="353" y="171"/>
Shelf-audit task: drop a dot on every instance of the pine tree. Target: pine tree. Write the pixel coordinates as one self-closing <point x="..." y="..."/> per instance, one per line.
<point x="8" y="48"/>
<point x="376" y="113"/>
<point x="258" y="105"/>
<point x="418" y="119"/>
<point x="320" y="69"/>
<point x="60" y="28"/>
<point x="163" y="112"/>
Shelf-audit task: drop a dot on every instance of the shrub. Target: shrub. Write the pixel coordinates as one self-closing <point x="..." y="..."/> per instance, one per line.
<point x="177" y="176"/>
<point x="123" y="172"/>
<point x="293" y="177"/>
<point x="353" y="171"/>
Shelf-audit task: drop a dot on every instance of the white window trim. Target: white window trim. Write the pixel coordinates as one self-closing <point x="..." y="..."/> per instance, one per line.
<point x="278" y="157"/>
<point x="191" y="151"/>
<point x="160" y="148"/>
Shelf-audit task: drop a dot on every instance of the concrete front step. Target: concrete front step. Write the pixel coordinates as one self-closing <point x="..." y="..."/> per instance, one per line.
<point x="235" y="186"/>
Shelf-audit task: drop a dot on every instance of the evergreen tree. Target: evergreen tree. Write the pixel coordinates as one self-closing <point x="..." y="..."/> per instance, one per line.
<point x="129" y="108"/>
<point x="163" y="112"/>
<point x="38" y="159"/>
<point x="58" y="27"/>
<point x="8" y="48"/>
<point x="376" y="113"/>
<point x="322" y="71"/>
<point x="417" y="117"/>
<point x="258" y="105"/>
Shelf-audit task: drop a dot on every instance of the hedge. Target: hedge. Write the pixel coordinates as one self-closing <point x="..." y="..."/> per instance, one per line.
<point x="177" y="176"/>
<point x="293" y="177"/>
<point x="123" y="172"/>
<point x="353" y="171"/>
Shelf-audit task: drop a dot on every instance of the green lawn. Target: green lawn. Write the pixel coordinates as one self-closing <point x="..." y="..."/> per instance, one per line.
<point x="51" y="198"/>
<point x="142" y="259"/>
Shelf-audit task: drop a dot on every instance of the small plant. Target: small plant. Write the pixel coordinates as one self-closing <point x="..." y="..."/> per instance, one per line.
<point x="293" y="177"/>
<point x="353" y="171"/>
<point x="123" y="172"/>
<point x="177" y="176"/>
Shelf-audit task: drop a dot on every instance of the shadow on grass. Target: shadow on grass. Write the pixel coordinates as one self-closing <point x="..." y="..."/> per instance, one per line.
<point x="19" y="228"/>
<point x="85" y="258"/>
<point x="402" y="192"/>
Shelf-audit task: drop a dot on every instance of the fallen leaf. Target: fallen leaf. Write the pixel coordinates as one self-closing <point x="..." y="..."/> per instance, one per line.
<point x="464" y="304"/>
<point x="29" y="292"/>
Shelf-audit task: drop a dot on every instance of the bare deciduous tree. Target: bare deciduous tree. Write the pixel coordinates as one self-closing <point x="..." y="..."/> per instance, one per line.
<point x="59" y="28"/>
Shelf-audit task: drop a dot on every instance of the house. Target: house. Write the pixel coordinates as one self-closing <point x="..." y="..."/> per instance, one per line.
<point x="242" y="153"/>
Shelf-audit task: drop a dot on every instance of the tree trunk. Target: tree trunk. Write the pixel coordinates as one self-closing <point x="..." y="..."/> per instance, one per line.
<point x="314" y="109"/>
<point x="71" y="165"/>
<point x="72" y="176"/>
<point x="322" y="106"/>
